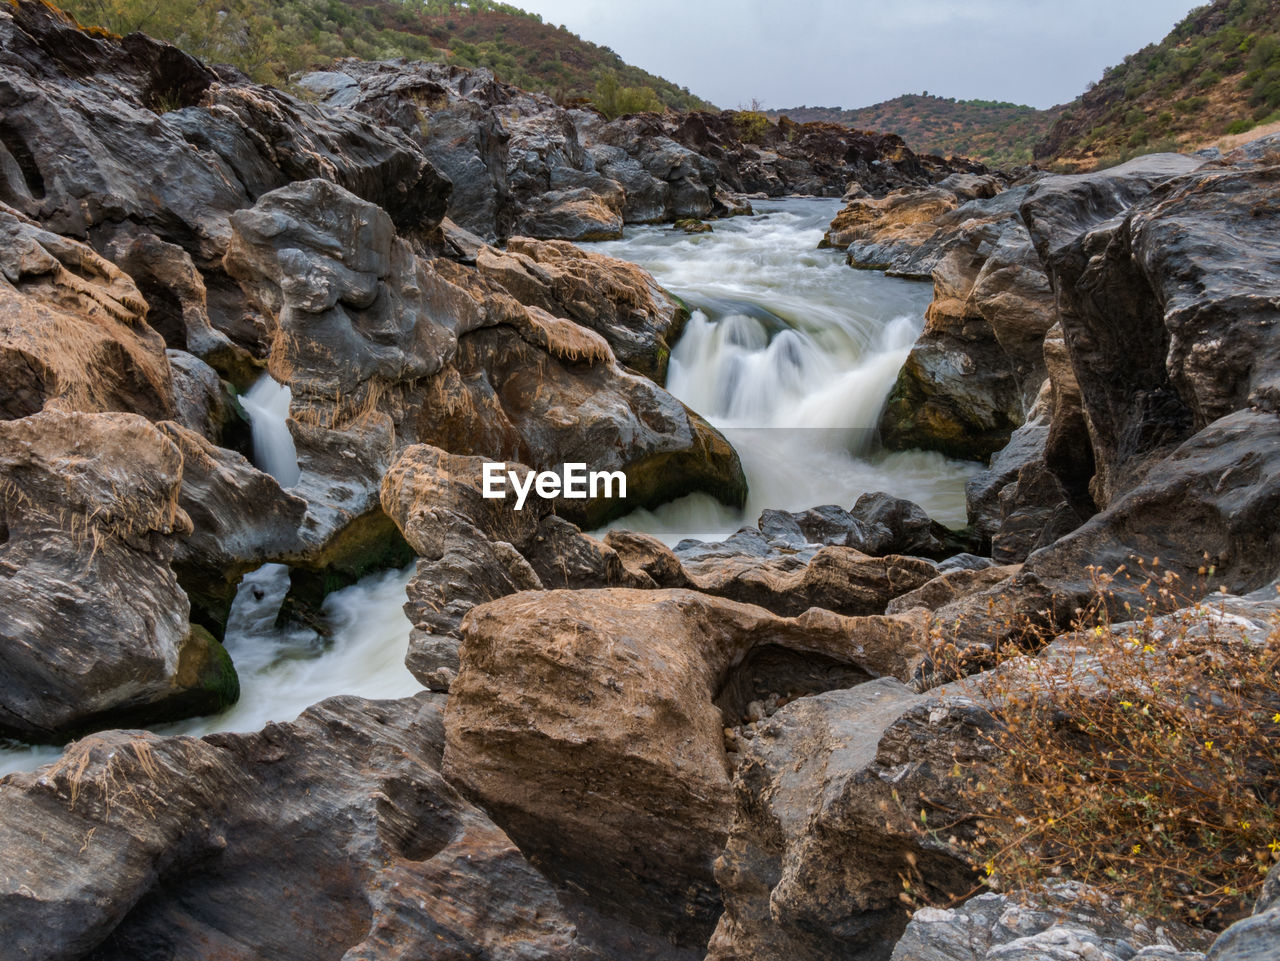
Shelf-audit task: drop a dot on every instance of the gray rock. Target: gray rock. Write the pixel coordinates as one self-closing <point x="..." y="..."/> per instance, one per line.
<point x="137" y="846"/>
<point x="93" y="625"/>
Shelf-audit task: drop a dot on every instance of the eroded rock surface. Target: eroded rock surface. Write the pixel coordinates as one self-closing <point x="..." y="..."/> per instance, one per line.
<point x="93" y="625"/>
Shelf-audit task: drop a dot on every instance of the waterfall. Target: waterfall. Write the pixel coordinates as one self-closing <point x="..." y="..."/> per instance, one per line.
<point x="267" y="404"/>
<point x="792" y="355"/>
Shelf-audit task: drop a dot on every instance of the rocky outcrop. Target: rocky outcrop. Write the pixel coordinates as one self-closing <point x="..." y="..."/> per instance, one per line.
<point x="93" y="624"/>
<point x="586" y="720"/>
<point x="825" y="834"/>
<point x="523" y="165"/>
<point x="134" y="845"/>
<point x="73" y="329"/>
<point x="1066" y="922"/>
<point x="978" y="365"/>
<point x="902" y="232"/>
<point x="614" y="298"/>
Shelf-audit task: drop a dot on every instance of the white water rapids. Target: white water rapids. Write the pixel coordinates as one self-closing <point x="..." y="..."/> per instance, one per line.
<point x="790" y="352"/>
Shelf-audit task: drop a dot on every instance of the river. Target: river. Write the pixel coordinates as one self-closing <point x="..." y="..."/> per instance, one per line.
<point x="788" y="351"/>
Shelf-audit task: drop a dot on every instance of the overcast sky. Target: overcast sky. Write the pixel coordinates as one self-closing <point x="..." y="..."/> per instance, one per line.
<point x="852" y="53"/>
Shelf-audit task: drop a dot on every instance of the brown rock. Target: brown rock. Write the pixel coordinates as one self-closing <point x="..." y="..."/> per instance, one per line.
<point x="93" y="626"/>
<point x="589" y="725"/>
<point x="73" y="330"/>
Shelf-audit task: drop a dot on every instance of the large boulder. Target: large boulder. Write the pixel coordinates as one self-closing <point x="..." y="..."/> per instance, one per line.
<point x="73" y="329"/>
<point x="93" y="624"/>
<point x="137" y="846"/>
<point x="1111" y="319"/>
<point x="590" y="725"/>
<point x="827" y="830"/>
<point x="617" y="299"/>
<point x="978" y="364"/>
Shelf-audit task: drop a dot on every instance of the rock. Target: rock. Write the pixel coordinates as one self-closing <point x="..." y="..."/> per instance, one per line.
<point x="219" y="142"/>
<point x="1209" y="503"/>
<point x="202" y="403"/>
<point x="950" y="586"/>
<point x="578" y="215"/>
<point x="518" y="402"/>
<point x="820" y="845"/>
<point x="585" y="720"/>
<point x="888" y="231"/>
<point x="618" y="300"/>
<point x="241" y="519"/>
<point x="643" y="554"/>
<point x="156" y="845"/>
<point x="838" y="579"/>
<point x="73" y="330"/>
<point x="1111" y="322"/>
<point x="977" y="366"/>
<point x="451" y="113"/>
<point x="899" y="526"/>
<point x="691" y="225"/>
<point x="93" y="624"/>
<point x="475" y="550"/>
<point x="1066" y="922"/>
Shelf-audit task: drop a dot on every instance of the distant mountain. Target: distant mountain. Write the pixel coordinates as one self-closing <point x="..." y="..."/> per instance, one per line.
<point x="1002" y="134"/>
<point x="273" y="39"/>
<point x="1217" y="73"/>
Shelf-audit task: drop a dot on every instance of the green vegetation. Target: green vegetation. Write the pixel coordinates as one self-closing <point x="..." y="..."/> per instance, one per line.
<point x="1001" y="134"/>
<point x="271" y="40"/>
<point x="1217" y="73"/>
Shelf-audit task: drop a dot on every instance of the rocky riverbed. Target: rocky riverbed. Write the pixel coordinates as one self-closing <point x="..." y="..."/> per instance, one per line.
<point x="602" y="746"/>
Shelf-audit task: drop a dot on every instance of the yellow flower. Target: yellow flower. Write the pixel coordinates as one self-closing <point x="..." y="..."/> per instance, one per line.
<point x="1149" y="648"/>
<point x="1244" y="825"/>
<point x="1275" y="718"/>
<point x="1136" y="849"/>
<point x="1208" y="745"/>
<point x="1274" y="846"/>
<point x="1126" y="704"/>
<point x="990" y="868"/>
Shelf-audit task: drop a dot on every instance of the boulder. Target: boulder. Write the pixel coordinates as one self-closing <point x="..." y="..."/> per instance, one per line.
<point x="546" y="404"/>
<point x="1066" y="921"/>
<point x="1111" y="321"/>
<point x="93" y="624"/>
<point x="826" y="832"/>
<point x="73" y="330"/>
<point x="137" y="846"/>
<point x="241" y="519"/>
<point x="616" y="299"/>
<point x="839" y="579"/>
<point x="590" y="725"/>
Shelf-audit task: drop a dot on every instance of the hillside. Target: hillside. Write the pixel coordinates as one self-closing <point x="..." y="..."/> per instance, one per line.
<point x="996" y="133"/>
<point x="1217" y="73"/>
<point x="273" y="39"/>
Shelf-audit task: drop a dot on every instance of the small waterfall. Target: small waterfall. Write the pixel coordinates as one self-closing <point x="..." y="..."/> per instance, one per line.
<point x="267" y="404"/>
<point x="792" y="355"/>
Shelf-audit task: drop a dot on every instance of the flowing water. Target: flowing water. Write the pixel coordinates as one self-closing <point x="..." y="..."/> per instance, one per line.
<point x="788" y="351"/>
<point x="791" y="354"/>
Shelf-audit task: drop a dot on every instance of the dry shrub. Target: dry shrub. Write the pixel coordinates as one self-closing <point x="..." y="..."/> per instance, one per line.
<point x="1141" y="758"/>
